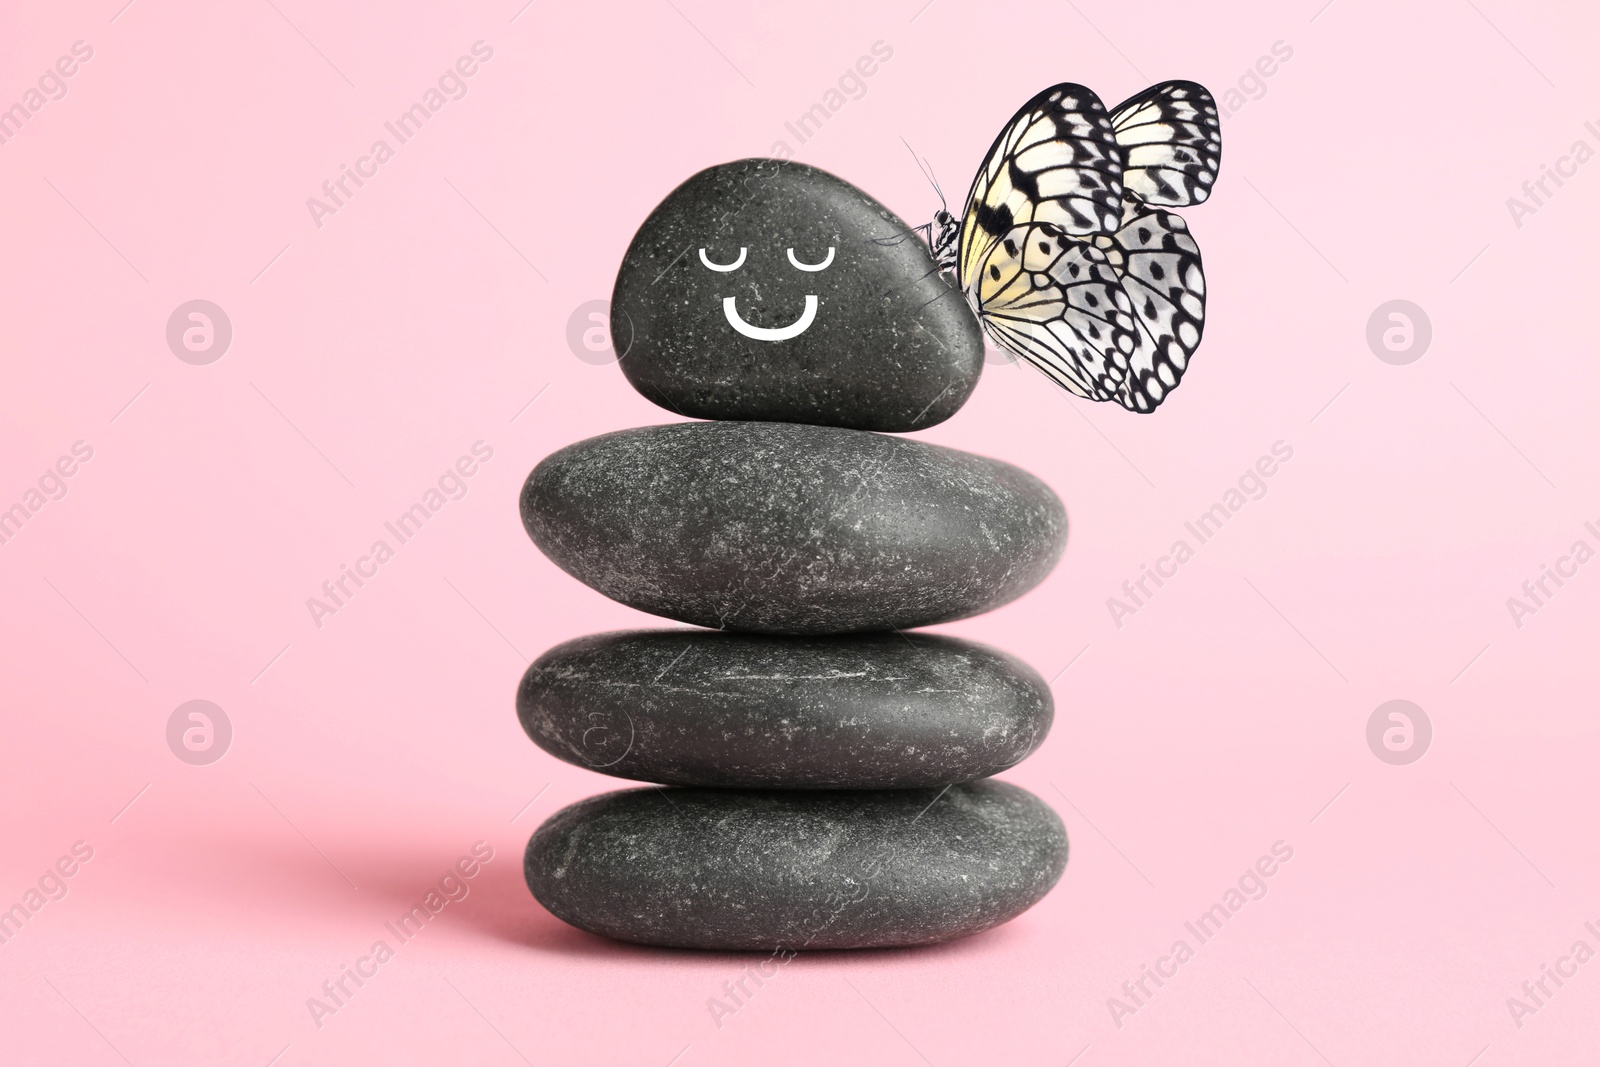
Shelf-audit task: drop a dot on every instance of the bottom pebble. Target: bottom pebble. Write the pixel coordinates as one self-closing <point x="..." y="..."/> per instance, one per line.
<point x="762" y="870"/>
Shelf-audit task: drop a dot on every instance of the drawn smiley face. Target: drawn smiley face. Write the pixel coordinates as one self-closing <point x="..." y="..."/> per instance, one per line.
<point x="767" y="289"/>
<point x="730" y="304"/>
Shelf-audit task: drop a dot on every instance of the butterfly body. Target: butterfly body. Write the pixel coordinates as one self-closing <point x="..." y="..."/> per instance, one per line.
<point x="945" y="239"/>
<point x="1065" y="250"/>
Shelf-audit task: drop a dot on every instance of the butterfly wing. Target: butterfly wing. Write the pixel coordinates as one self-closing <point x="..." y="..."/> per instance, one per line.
<point x="1056" y="162"/>
<point x="1171" y="143"/>
<point x="1063" y="255"/>
<point x="1055" y="300"/>
<point x="1157" y="263"/>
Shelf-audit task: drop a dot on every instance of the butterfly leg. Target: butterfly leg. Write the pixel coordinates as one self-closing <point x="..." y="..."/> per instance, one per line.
<point x="890" y="242"/>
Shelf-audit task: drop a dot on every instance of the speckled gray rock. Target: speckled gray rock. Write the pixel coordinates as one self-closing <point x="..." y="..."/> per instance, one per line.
<point x="872" y="711"/>
<point x="783" y="528"/>
<point x="730" y="869"/>
<point x="877" y="339"/>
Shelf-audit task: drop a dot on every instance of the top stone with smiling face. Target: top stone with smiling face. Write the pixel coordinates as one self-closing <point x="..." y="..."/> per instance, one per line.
<point x="769" y="290"/>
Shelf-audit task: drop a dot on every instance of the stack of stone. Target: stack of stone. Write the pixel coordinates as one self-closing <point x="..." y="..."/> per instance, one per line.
<point x="827" y="772"/>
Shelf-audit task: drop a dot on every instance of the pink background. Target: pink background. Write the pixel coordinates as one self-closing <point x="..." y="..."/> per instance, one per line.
<point x="1227" y="714"/>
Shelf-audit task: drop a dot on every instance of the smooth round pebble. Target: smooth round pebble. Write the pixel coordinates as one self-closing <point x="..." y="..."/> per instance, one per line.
<point x="872" y="711"/>
<point x="765" y="289"/>
<point x="789" y="871"/>
<point x="785" y="528"/>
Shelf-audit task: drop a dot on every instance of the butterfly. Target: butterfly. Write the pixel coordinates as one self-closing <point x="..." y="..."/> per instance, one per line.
<point x="1065" y="250"/>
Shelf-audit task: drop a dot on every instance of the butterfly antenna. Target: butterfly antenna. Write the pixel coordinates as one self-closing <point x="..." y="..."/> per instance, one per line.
<point x="927" y="171"/>
<point x="936" y="188"/>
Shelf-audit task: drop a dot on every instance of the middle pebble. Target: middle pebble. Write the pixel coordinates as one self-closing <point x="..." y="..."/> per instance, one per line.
<point x="792" y="529"/>
<point x="869" y="711"/>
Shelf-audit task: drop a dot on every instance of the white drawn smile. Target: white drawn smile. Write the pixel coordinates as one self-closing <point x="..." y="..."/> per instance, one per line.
<point x="775" y="333"/>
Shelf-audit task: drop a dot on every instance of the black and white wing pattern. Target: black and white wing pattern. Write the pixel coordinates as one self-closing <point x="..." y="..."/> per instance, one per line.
<point x="1157" y="265"/>
<point x="1057" y="162"/>
<point x="1056" y="301"/>
<point x="1171" y="143"/>
<point x="1065" y="252"/>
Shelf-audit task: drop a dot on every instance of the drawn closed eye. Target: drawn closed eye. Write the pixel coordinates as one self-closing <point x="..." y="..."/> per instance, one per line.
<point x="726" y="267"/>
<point x="826" y="260"/>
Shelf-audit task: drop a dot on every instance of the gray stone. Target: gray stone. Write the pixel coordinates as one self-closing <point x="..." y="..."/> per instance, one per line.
<point x="888" y="342"/>
<point x="787" y="871"/>
<point x="873" y="711"/>
<point x="784" y="528"/>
